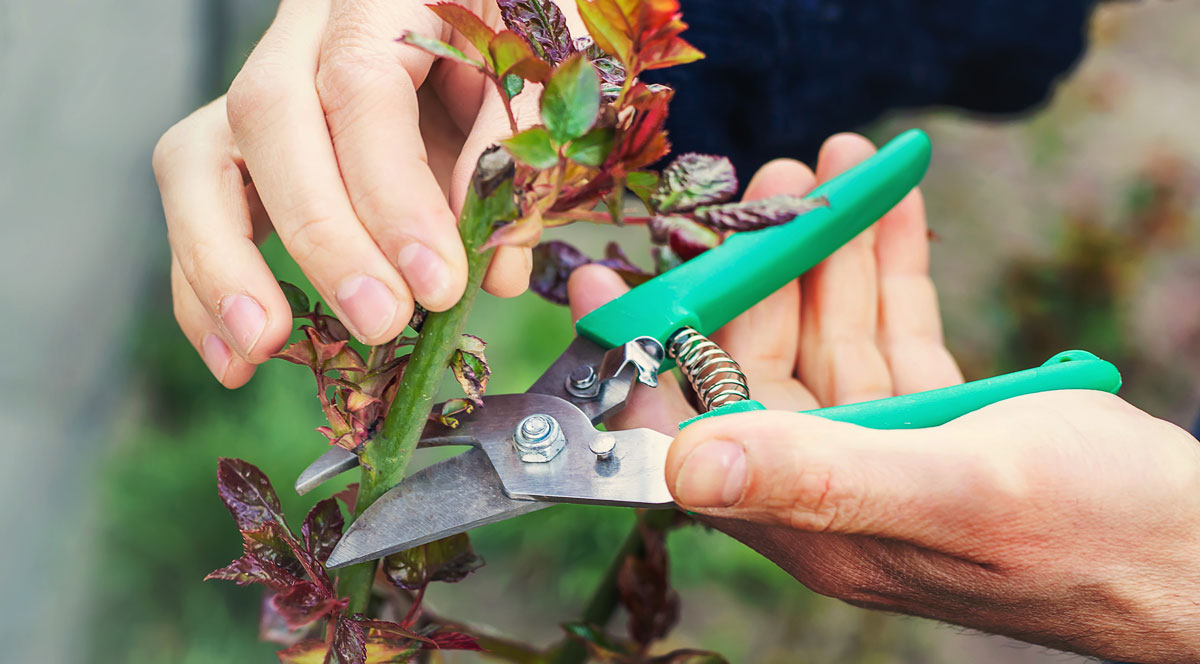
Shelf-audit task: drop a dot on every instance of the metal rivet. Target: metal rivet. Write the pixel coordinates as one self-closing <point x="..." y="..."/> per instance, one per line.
<point x="583" y="382"/>
<point x="583" y="376"/>
<point x="603" y="445"/>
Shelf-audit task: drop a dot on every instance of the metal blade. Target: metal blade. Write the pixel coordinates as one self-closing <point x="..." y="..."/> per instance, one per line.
<point x="335" y="461"/>
<point x="581" y="352"/>
<point x="447" y="498"/>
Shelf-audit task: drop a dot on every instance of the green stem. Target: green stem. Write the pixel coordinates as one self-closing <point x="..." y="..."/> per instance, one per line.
<point x="385" y="459"/>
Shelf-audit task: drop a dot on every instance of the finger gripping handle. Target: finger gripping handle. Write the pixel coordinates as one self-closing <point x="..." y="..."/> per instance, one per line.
<point x="711" y="289"/>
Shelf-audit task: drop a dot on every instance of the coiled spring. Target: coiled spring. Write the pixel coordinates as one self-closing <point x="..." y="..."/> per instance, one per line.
<point x="712" y="373"/>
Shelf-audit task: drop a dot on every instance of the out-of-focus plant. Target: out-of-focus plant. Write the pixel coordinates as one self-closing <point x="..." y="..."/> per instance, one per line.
<point x="601" y="131"/>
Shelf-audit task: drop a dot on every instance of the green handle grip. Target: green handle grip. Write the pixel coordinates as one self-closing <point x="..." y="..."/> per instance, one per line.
<point x="1069" y="370"/>
<point x="713" y="288"/>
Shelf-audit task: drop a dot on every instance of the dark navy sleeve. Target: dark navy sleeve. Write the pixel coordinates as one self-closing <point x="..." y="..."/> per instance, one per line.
<point x="782" y="75"/>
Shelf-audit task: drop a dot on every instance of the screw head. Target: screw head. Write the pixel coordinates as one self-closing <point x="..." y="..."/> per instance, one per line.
<point x="583" y="376"/>
<point x="538" y="438"/>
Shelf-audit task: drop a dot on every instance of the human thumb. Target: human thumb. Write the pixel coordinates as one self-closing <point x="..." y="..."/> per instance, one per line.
<point x="816" y="475"/>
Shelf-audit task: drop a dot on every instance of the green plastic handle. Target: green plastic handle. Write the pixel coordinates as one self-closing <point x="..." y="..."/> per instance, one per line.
<point x="713" y="288"/>
<point x="1069" y="370"/>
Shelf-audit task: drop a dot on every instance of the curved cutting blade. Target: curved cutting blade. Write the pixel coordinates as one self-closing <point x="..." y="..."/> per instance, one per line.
<point x="447" y="498"/>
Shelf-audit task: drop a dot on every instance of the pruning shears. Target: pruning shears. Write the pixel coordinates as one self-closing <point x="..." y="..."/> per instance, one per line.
<point x="541" y="447"/>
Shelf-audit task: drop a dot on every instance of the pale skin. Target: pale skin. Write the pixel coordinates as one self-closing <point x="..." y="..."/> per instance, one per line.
<point x="1069" y="519"/>
<point x="357" y="152"/>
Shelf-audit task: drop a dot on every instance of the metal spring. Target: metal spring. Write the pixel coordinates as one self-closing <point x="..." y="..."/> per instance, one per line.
<point x="712" y="373"/>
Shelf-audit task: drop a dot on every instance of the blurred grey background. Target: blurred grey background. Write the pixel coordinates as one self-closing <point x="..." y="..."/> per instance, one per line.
<point x="112" y="428"/>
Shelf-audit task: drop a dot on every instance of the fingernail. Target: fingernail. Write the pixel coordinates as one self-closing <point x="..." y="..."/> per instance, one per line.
<point x="713" y="475"/>
<point x="245" y="319"/>
<point x="216" y="355"/>
<point x="368" y="303"/>
<point x="427" y="274"/>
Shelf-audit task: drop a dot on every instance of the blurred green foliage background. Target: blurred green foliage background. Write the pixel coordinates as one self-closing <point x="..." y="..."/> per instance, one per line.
<point x="1076" y="227"/>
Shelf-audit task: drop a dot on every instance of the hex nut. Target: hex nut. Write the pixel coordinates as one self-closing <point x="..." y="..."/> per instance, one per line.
<point x="538" y="439"/>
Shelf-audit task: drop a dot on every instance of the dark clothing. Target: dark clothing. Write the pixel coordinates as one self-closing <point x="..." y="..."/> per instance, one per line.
<point x="782" y="75"/>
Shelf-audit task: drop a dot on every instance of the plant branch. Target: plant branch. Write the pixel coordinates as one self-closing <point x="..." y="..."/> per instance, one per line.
<point x="606" y="597"/>
<point x="512" y="119"/>
<point x="384" y="459"/>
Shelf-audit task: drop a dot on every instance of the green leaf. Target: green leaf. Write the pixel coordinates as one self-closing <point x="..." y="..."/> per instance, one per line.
<point x="490" y="200"/>
<point x="642" y="184"/>
<point x="513" y="85"/>
<point x="438" y="48"/>
<point x="599" y="644"/>
<point x="532" y="147"/>
<point x="470" y="367"/>
<point x="296" y="298"/>
<point x="592" y="148"/>
<point x="511" y="55"/>
<point x="469" y="25"/>
<point x="571" y="99"/>
<point x="450" y="408"/>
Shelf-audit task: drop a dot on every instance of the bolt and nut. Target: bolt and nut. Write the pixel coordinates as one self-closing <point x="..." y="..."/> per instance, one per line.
<point x="538" y="438"/>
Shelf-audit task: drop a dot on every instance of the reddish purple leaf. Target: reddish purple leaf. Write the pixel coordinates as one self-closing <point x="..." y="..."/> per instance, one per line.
<point x="692" y="180"/>
<point x="542" y="25"/>
<point x="689" y="656"/>
<point x="388" y="629"/>
<point x="758" y="213"/>
<point x="349" y="642"/>
<point x="304" y="603"/>
<point x="686" y="238"/>
<point x="641" y="139"/>
<point x="444" y="639"/>
<point x="612" y="72"/>
<point x="270" y="544"/>
<point x="554" y="261"/>
<point x="273" y="628"/>
<point x="251" y="569"/>
<point x="300" y="352"/>
<point x="348" y="496"/>
<point x="645" y="591"/>
<point x="247" y="494"/>
<point x="322" y="529"/>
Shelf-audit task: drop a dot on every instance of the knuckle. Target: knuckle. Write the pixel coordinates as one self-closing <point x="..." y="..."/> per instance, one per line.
<point x="310" y="238"/>
<point x="253" y="93"/>
<point x="349" y="71"/>
<point x="166" y="148"/>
